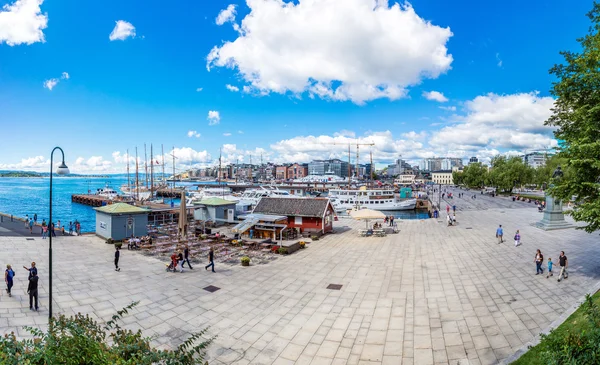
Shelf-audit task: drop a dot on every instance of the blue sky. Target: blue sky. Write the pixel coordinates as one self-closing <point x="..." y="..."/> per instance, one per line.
<point x="324" y="72"/>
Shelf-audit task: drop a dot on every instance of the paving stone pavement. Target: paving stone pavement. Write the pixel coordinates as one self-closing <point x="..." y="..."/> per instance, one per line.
<point x="429" y="295"/>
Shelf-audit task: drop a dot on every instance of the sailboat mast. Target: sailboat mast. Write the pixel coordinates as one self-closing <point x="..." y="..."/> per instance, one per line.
<point x="349" y="166"/>
<point x="137" y="177"/>
<point x="162" y="153"/>
<point x="219" y="173"/>
<point x="356" y="172"/>
<point x="128" y="179"/>
<point x="151" y="173"/>
<point x="371" y="169"/>
<point x="146" y="165"/>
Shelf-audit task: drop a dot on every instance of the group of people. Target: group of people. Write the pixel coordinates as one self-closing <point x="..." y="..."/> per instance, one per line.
<point x="50" y="229"/>
<point x="563" y="263"/>
<point x="135" y="242"/>
<point x="178" y="259"/>
<point x="500" y="236"/>
<point x="32" y="287"/>
<point x="389" y="220"/>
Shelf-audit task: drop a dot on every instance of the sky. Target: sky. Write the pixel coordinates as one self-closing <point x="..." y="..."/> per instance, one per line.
<point x="290" y="81"/>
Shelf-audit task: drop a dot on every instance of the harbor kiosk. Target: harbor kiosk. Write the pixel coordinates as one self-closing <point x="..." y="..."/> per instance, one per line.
<point x="120" y="220"/>
<point x="215" y="209"/>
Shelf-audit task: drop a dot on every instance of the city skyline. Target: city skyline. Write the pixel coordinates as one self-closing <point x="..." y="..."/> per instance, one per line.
<point x="455" y="80"/>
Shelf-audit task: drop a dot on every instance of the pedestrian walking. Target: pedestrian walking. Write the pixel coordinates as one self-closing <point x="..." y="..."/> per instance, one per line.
<point x="52" y="229"/>
<point x="35" y="218"/>
<point x="30" y="225"/>
<point x="44" y="232"/>
<point x="539" y="260"/>
<point x="78" y="228"/>
<point x="549" y="267"/>
<point x="32" y="270"/>
<point x="180" y="261"/>
<point x="211" y="260"/>
<point x="517" y="238"/>
<point x="447" y="209"/>
<point x="70" y="228"/>
<point x="26" y="220"/>
<point x="117" y="256"/>
<point x="454" y="209"/>
<point x="32" y="290"/>
<point x="186" y="256"/>
<point x="9" y="274"/>
<point x="499" y="234"/>
<point x="391" y="220"/>
<point x="564" y="264"/>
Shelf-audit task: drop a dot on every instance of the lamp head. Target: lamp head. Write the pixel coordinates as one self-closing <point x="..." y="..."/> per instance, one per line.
<point x="62" y="169"/>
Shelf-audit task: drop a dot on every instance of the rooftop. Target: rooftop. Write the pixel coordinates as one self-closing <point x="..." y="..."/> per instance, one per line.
<point x="121" y="208"/>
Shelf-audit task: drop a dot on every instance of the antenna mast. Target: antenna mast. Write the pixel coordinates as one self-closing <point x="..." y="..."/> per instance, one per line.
<point x="151" y="172"/>
<point x="146" y="165"/>
<point x="137" y="177"/>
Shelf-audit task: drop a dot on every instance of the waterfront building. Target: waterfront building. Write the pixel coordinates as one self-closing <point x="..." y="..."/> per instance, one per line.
<point x="405" y="179"/>
<point x="399" y="167"/>
<point x="120" y="220"/>
<point x="443" y="177"/>
<point x="440" y="163"/>
<point x="306" y="214"/>
<point x="335" y="167"/>
<point x="535" y="159"/>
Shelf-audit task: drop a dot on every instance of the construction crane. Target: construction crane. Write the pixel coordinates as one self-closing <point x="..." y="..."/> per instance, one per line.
<point x="357" y="144"/>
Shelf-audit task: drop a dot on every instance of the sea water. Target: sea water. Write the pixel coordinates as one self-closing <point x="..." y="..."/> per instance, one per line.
<point x="29" y="196"/>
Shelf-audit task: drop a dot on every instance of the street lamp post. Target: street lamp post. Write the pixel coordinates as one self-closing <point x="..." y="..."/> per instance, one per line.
<point x="62" y="170"/>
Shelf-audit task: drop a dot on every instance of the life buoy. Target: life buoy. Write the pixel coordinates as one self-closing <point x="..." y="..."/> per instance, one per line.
<point x="420" y="203"/>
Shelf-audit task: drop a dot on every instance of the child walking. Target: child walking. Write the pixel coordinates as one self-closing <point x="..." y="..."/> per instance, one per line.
<point x="517" y="238"/>
<point x="549" y="268"/>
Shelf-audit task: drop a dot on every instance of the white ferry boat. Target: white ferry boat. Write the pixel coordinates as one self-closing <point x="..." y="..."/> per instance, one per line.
<point x="376" y="199"/>
<point x="107" y="192"/>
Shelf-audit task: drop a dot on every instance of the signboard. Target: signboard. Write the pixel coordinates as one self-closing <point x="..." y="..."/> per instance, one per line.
<point x="129" y="221"/>
<point x="103" y="225"/>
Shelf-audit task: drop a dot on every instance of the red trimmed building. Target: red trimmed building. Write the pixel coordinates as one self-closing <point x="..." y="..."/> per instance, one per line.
<point x="308" y="214"/>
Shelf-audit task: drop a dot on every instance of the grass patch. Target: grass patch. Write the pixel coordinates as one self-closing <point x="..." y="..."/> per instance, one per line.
<point x="574" y="324"/>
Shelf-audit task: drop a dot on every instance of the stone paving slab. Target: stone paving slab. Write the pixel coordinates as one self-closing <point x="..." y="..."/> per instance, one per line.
<point x="429" y="295"/>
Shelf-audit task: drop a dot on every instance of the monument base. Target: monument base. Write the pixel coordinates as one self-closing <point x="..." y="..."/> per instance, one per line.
<point x="554" y="217"/>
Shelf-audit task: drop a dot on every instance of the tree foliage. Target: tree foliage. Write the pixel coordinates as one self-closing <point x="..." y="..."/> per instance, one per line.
<point x="509" y="172"/>
<point x="576" y="114"/>
<point x="81" y="340"/>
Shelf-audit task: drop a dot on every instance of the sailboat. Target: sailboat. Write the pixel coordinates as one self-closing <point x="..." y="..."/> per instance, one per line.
<point x="138" y="190"/>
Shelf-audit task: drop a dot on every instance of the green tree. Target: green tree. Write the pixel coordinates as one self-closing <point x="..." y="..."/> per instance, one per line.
<point x="475" y="175"/>
<point x="457" y="177"/>
<point x="81" y="340"/>
<point x="509" y="172"/>
<point x="576" y="113"/>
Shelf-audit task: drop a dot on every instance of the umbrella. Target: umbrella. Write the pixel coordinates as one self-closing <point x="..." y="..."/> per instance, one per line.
<point x="182" y="216"/>
<point x="366" y="214"/>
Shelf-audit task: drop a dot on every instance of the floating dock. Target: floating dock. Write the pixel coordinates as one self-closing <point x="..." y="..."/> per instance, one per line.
<point x="91" y="200"/>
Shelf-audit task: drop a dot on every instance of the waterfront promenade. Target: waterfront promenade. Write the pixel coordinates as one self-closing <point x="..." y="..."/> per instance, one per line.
<point x="429" y="295"/>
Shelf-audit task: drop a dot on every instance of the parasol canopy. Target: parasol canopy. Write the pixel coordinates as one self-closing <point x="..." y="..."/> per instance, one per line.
<point x="367" y="214"/>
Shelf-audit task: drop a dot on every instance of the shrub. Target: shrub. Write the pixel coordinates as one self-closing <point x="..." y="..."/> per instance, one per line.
<point x="79" y="339"/>
<point x="110" y="241"/>
<point x="282" y="251"/>
<point x="315" y="238"/>
<point x="577" y="347"/>
<point x="302" y="244"/>
<point x="274" y="249"/>
<point x="245" y="260"/>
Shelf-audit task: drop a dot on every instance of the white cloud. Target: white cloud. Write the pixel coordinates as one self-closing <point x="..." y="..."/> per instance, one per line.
<point x="414" y="135"/>
<point x="65" y="76"/>
<point x="232" y="88"/>
<point x="499" y="61"/>
<point x="499" y="123"/>
<point x="31" y="163"/>
<point x="435" y="95"/>
<point x="199" y="89"/>
<point x="448" y="108"/>
<point x="122" y="31"/>
<point x="226" y="15"/>
<point x="50" y="84"/>
<point x="193" y="134"/>
<point x="240" y="132"/>
<point x="227" y="134"/>
<point x="356" y="50"/>
<point x="22" y="22"/>
<point x="189" y="157"/>
<point x="213" y="117"/>
<point x="122" y="158"/>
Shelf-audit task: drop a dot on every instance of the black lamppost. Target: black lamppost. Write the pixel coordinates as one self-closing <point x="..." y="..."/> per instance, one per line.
<point x="62" y="170"/>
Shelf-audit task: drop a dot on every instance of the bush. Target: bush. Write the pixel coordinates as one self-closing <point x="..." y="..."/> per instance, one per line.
<point x="315" y="238"/>
<point x="302" y="244"/>
<point x="274" y="249"/>
<point x="282" y="251"/>
<point x="575" y="347"/>
<point x="79" y="340"/>
<point x="245" y="260"/>
<point x="110" y="241"/>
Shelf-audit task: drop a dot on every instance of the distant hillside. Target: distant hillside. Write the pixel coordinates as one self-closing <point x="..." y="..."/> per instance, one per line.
<point x="7" y="173"/>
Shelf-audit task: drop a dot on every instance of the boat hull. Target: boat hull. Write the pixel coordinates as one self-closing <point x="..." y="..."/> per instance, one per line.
<point x="408" y="204"/>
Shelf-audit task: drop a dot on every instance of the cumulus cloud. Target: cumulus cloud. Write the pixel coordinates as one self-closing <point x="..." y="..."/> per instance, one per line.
<point x="213" y="117"/>
<point x="226" y="15"/>
<point x="435" y="95"/>
<point x="412" y="135"/>
<point x="65" y="76"/>
<point x="22" y="22"/>
<point x="187" y="156"/>
<point x="356" y="50"/>
<point x="193" y="134"/>
<point x="198" y="89"/>
<point x="50" y="84"/>
<point x="499" y="123"/>
<point x="122" y="31"/>
<point x="232" y="88"/>
<point x="122" y="158"/>
<point x="226" y="134"/>
<point x="31" y="163"/>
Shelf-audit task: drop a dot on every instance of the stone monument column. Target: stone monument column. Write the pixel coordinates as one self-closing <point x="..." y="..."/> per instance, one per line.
<point x="554" y="218"/>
